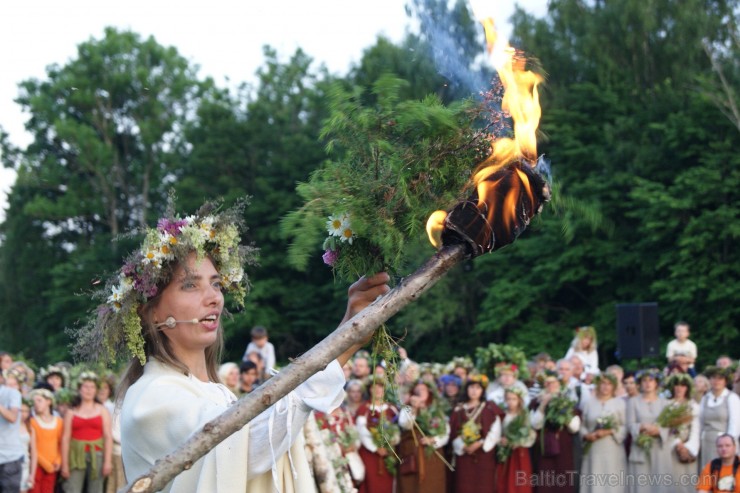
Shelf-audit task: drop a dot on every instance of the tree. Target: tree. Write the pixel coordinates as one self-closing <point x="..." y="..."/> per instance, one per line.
<point x="107" y="143"/>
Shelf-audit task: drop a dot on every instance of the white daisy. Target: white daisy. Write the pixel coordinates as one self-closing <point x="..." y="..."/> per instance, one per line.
<point x="335" y="223"/>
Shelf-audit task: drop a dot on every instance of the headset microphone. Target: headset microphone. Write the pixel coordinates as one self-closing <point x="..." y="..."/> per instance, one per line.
<point x="170" y="323"/>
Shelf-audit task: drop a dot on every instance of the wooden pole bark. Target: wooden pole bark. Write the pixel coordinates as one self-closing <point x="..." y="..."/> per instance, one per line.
<point x="357" y="329"/>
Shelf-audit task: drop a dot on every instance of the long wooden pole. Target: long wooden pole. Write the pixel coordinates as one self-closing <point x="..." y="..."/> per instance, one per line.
<point x="357" y="329"/>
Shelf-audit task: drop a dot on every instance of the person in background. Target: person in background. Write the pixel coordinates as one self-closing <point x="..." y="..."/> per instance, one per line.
<point x="475" y="429"/>
<point x="507" y="375"/>
<point x="651" y="443"/>
<point x="719" y="411"/>
<point x="5" y="361"/>
<point x="11" y="447"/>
<point x="618" y="372"/>
<point x="355" y="397"/>
<point x="28" y="437"/>
<point x="701" y="387"/>
<point x="87" y="443"/>
<point x="603" y="431"/>
<point x="247" y="378"/>
<point x="681" y="344"/>
<point x="723" y="473"/>
<point x="228" y="373"/>
<point x="514" y="456"/>
<point x="48" y="431"/>
<point x="450" y="390"/>
<point x="54" y="375"/>
<point x="685" y="436"/>
<point x="107" y="389"/>
<point x="584" y="346"/>
<point x="264" y="347"/>
<point x="361" y="366"/>
<point x="370" y="417"/>
<point x="724" y="361"/>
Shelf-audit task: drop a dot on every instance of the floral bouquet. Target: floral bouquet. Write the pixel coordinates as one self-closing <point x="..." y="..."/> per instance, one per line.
<point x="431" y="422"/>
<point x="606" y="422"/>
<point x="385" y="435"/>
<point x="645" y="442"/>
<point x="347" y="438"/>
<point x="560" y="411"/>
<point x="516" y="433"/>
<point x="470" y="432"/>
<point x="675" y="416"/>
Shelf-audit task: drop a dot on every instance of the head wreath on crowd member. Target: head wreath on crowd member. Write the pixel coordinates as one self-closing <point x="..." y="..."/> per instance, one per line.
<point x="124" y="322"/>
<point x="716" y="371"/>
<point x="475" y="379"/>
<point x="520" y="393"/>
<point x="45" y="393"/>
<point x="608" y="377"/>
<point x="653" y="373"/>
<point x="679" y="379"/>
<point x="55" y="370"/>
<point x="505" y="367"/>
<point x="585" y="339"/>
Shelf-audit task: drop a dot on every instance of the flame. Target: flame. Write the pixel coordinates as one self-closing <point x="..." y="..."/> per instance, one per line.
<point x="521" y="102"/>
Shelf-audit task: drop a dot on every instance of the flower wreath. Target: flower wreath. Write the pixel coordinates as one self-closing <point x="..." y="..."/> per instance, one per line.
<point x="509" y="367"/>
<point x="210" y="232"/>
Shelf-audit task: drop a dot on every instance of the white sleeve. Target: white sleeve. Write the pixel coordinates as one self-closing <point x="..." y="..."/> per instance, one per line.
<point x="366" y="438"/>
<point x="458" y="446"/>
<point x="575" y="424"/>
<point x="569" y="353"/>
<point x="733" y="421"/>
<point x="406" y="418"/>
<point x="273" y="431"/>
<point x="442" y="440"/>
<point x="493" y="436"/>
<point x="670" y="349"/>
<point x="537" y="418"/>
<point x="270" y="360"/>
<point x="692" y="443"/>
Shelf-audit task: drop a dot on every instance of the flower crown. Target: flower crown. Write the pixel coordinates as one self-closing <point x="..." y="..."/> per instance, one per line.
<point x="210" y="233"/>
<point x="608" y="376"/>
<point x="55" y="370"/>
<point x="518" y="391"/>
<point x="679" y="379"/>
<point x="653" y="373"/>
<point x="45" y="393"/>
<point x="503" y="366"/>
<point x="479" y="379"/>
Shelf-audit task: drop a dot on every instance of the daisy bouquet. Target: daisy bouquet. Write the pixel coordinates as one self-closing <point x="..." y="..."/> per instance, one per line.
<point x="677" y="418"/>
<point x="605" y="422"/>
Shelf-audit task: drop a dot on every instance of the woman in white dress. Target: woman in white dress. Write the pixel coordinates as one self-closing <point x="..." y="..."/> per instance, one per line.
<point x="166" y="305"/>
<point x="603" y="433"/>
<point x="649" y="461"/>
<point x="584" y="346"/>
<point x="685" y="436"/>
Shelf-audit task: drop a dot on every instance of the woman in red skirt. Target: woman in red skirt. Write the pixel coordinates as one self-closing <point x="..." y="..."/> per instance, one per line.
<point x="475" y="430"/>
<point x="514" y="467"/>
<point x="374" y="421"/>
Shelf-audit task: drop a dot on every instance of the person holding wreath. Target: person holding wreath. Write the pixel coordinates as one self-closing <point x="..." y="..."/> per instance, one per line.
<point x="475" y="430"/>
<point x="603" y="433"/>
<point x="424" y="433"/>
<point x="682" y="416"/>
<point x="165" y="306"/>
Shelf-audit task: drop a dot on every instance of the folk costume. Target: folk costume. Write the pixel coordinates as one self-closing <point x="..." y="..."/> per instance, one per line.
<point x="378" y="479"/>
<point x="606" y="455"/>
<point x="428" y="473"/>
<point x="154" y="424"/>
<point x="476" y="472"/>
<point x="656" y="461"/>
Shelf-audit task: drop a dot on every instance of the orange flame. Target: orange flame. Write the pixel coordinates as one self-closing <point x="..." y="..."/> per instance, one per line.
<point x="521" y="102"/>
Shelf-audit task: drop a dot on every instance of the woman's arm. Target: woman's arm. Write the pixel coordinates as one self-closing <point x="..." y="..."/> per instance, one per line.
<point x="66" y="437"/>
<point x="33" y="456"/>
<point x="107" y="442"/>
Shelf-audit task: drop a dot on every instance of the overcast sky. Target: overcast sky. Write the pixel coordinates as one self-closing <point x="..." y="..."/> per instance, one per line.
<point x="224" y="37"/>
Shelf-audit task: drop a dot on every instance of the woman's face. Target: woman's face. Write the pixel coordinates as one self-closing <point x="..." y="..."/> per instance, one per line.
<point x="586" y="342"/>
<point x="232" y="378"/>
<point x="506" y="379"/>
<point x="552" y="385"/>
<point x="680" y="391"/>
<point x="55" y="381"/>
<point x="606" y="389"/>
<point x="648" y="384"/>
<point x="451" y="389"/>
<point x="41" y="404"/>
<point x="103" y="392"/>
<point x="717" y="382"/>
<point x="475" y="391"/>
<point x="378" y="392"/>
<point x="354" y="394"/>
<point x="422" y="392"/>
<point x="88" y="390"/>
<point x="193" y="294"/>
<point x="512" y="402"/>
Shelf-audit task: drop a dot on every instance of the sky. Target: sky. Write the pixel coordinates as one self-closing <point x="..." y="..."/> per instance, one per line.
<point x="223" y="37"/>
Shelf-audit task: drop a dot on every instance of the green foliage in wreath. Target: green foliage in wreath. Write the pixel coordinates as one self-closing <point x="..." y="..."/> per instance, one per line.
<point x="391" y="164"/>
<point x="488" y="357"/>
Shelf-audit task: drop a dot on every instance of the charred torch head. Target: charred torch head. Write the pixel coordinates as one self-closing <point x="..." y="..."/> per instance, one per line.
<point x="496" y="214"/>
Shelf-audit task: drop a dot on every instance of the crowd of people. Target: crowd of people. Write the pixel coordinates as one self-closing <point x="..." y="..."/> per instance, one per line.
<point x="561" y="425"/>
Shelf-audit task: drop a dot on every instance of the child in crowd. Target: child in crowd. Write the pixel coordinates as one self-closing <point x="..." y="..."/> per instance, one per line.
<point x="261" y="345"/>
<point x="681" y="344"/>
